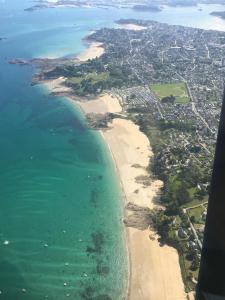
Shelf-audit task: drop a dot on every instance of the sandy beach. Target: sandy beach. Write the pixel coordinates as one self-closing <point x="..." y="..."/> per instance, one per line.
<point x="151" y="266"/>
<point x="102" y="105"/>
<point x="154" y="269"/>
<point x="94" y="50"/>
<point x="57" y="85"/>
<point x="131" y="27"/>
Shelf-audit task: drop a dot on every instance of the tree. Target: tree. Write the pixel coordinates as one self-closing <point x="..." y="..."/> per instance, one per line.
<point x="192" y="218"/>
<point x="182" y="195"/>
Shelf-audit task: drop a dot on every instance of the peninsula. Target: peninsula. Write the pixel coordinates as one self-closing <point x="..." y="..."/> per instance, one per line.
<point x="153" y="8"/>
<point x="220" y="14"/>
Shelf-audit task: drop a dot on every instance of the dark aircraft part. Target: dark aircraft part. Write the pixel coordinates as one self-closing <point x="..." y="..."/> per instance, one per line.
<point x="211" y="281"/>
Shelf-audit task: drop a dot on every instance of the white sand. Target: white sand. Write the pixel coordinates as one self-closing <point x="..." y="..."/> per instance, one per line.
<point x="155" y="270"/>
<point x="94" y="50"/>
<point x="57" y="85"/>
<point x="103" y="104"/>
<point x="131" y="27"/>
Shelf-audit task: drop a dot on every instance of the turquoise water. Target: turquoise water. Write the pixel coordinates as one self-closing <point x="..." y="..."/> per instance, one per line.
<point x="60" y="202"/>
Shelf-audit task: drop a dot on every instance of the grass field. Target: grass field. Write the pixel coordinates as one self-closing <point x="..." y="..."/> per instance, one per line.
<point x="94" y="77"/>
<point x="178" y="90"/>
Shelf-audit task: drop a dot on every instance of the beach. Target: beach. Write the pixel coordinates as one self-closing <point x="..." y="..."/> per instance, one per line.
<point x="134" y="27"/>
<point x="102" y="105"/>
<point x="57" y="85"/>
<point x="93" y="50"/>
<point x="151" y="265"/>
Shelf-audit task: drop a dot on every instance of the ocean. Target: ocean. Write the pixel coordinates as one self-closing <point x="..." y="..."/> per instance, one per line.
<point x="61" y="206"/>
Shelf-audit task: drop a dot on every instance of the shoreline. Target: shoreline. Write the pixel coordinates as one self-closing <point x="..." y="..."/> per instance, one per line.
<point x="150" y="265"/>
<point x="147" y="278"/>
<point x="93" y="50"/>
<point x="130" y="26"/>
<point x="126" y="235"/>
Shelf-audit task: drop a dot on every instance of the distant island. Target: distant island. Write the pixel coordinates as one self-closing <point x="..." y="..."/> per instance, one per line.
<point x="220" y="14"/>
<point x="43" y="4"/>
<point x="141" y="6"/>
<point x="36" y="7"/>
<point x="147" y="8"/>
<point x="183" y="3"/>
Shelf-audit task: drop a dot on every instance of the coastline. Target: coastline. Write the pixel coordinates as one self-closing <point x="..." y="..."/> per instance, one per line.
<point x="131" y="26"/>
<point x="94" y="49"/>
<point x="60" y="38"/>
<point x="151" y="266"/>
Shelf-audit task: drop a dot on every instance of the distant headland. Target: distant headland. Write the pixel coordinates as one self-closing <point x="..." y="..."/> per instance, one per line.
<point x="141" y="6"/>
<point x="220" y="14"/>
<point x="147" y="8"/>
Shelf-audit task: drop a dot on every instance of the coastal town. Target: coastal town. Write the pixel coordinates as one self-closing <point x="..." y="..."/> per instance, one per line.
<point x="176" y="101"/>
<point x="169" y="80"/>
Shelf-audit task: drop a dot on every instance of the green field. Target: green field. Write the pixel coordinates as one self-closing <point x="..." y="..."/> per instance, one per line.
<point x="178" y="90"/>
<point x="94" y="77"/>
